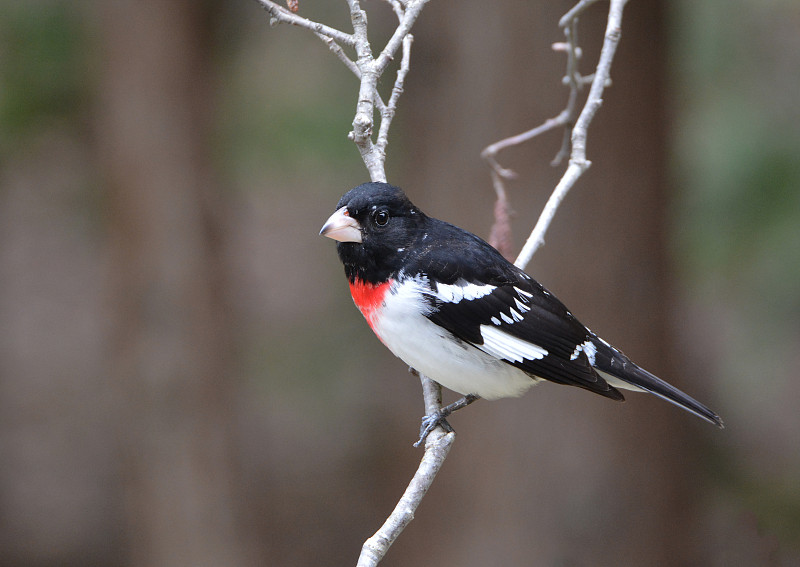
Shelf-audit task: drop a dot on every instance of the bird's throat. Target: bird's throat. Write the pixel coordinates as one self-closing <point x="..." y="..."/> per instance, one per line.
<point x="368" y="298"/>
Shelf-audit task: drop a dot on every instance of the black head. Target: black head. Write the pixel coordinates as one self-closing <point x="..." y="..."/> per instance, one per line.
<point x="374" y="224"/>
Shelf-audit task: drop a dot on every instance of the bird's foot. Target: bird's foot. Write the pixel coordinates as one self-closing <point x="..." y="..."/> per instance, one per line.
<point x="431" y="422"/>
<point x="439" y="418"/>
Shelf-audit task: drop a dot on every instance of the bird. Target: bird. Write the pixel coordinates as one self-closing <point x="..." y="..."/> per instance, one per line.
<point x="452" y="307"/>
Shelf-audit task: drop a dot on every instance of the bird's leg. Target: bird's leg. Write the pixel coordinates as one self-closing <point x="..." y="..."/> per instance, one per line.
<point x="439" y="417"/>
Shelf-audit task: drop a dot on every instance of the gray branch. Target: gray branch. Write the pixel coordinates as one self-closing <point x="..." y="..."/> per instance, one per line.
<point x="280" y="15"/>
<point x="578" y="163"/>
<point x="367" y="68"/>
<point x="575" y="129"/>
<point x="437" y="446"/>
<point x="373" y="154"/>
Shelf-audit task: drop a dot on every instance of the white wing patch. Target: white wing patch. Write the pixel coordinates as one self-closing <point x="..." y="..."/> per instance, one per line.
<point x="454" y="293"/>
<point x="587" y="347"/>
<point x="500" y="344"/>
<point x="521" y="306"/>
<point x="523" y="293"/>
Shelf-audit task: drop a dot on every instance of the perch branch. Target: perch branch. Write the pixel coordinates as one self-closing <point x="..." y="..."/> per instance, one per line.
<point x="437" y="446"/>
<point x="436" y="449"/>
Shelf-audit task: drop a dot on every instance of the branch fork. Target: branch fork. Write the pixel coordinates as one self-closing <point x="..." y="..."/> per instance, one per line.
<point x="367" y="68"/>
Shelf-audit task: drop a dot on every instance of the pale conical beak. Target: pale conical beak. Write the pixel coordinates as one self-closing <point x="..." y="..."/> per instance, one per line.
<point x="342" y="227"/>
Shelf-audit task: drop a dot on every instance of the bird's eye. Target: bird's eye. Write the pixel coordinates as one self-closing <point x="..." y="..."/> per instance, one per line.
<point x="381" y="218"/>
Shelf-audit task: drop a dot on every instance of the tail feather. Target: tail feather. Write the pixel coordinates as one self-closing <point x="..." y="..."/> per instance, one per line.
<point x="618" y="370"/>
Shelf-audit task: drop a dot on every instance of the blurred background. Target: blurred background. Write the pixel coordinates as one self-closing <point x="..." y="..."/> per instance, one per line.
<point x="185" y="381"/>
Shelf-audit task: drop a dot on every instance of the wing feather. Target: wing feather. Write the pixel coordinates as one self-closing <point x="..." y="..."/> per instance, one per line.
<point x="530" y="329"/>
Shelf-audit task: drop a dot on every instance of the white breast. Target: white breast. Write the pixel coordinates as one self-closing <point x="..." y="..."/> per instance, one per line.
<point x="423" y="345"/>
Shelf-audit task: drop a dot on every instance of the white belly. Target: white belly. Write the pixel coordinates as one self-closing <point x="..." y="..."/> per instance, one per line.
<point x="432" y="350"/>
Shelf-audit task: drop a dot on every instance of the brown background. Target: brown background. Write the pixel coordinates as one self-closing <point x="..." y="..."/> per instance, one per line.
<point x="183" y="377"/>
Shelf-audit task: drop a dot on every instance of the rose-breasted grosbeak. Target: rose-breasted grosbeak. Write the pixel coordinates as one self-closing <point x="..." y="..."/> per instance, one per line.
<point x="452" y="307"/>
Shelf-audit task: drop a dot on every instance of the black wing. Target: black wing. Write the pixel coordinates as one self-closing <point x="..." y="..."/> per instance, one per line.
<point x="488" y="302"/>
<point x="526" y="327"/>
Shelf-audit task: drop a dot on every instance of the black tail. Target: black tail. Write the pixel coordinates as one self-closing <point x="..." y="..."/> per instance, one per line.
<point x="614" y="364"/>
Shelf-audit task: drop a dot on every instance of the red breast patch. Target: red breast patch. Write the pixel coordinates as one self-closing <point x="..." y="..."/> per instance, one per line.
<point x="369" y="298"/>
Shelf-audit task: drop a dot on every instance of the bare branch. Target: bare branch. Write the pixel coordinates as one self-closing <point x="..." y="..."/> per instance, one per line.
<point x="565" y="119"/>
<point x="398" y="8"/>
<point x="578" y="162"/>
<point x="280" y="15"/>
<point x="371" y="68"/>
<point x="436" y="449"/>
<point x="337" y="50"/>
<point x="574" y="139"/>
<point x="366" y="68"/>
<point x="437" y="446"/>
<point x="490" y="152"/>
<point x="361" y="134"/>
<point x="575" y="82"/>
<point x="574" y="12"/>
<point x="602" y="79"/>
<point x="388" y="111"/>
<point x="500" y="236"/>
<point x="412" y="11"/>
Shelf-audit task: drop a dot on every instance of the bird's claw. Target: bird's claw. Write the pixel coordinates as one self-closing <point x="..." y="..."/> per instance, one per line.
<point x="431" y="422"/>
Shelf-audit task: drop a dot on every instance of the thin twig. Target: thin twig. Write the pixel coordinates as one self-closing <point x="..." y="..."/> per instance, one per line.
<point x="436" y="449"/>
<point x="437" y="446"/>
<point x="367" y="68"/>
<point x="490" y="152"/>
<point x="337" y="50"/>
<point x="564" y="119"/>
<point x="572" y="78"/>
<point x="371" y="69"/>
<point x="578" y="162"/>
<point x="412" y="11"/>
<point x="500" y="235"/>
<point x="388" y="111"/>
<point x="280" y="15"/>
<point x="397" y="7"/>
<point x="574" y="12"/>
<point x="575" y="81"/>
